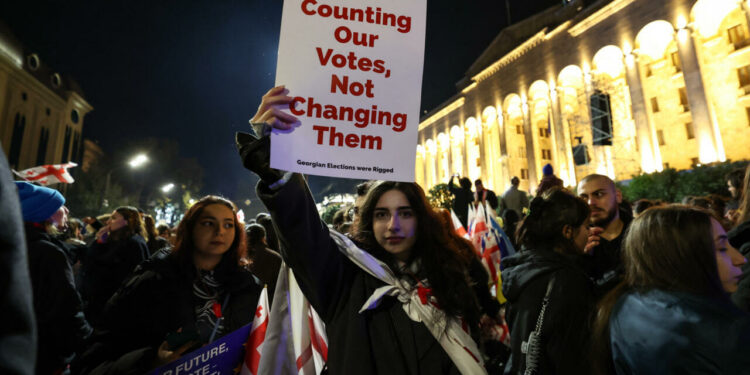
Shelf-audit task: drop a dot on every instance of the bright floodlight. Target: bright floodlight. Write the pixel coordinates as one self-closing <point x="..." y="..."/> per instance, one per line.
<point x="167" y="188"/>
<point x="138" y="161"/>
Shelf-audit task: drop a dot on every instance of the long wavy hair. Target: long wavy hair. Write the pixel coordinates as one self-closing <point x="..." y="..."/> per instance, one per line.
<point x="440" y="260"/>
<point x="669" y="248"/>
<point x="134" y="224"/>
<point x="542" y="229"/>
<point x="231" y="261"/>
<point x="745" y="202"/>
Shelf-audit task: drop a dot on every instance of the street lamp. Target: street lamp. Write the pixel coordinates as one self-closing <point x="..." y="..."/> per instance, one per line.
<point x="167" y="188"/>
<point x="134" y="163"/>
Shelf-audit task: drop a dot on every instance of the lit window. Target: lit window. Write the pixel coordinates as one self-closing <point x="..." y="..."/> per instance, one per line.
<point x="525" y="174"/>
<point x="743" y="74"/>
<point x="647" y="70"/>
<point x="689" y="130"/>
<point x="519" y="129"/>
<point x="660" y="136"/>
<point x="676" y="62"/>
<point x="654" y="105"/>
<point x="684" y="100"/>
<point x="747" y="114"/>
<point x="694" y="162"/>
<point x="738" y="37"/>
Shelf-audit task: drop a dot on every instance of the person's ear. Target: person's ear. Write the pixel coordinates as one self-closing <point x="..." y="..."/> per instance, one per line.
<point x="567" y="232"/>
<point x="618" y="194"/>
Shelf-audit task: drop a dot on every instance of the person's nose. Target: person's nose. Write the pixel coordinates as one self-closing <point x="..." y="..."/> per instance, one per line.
<point x="394" y="225"/>
<point x="736" y="256"/>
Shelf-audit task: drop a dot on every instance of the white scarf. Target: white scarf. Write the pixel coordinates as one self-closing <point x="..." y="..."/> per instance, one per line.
<point x="456" y="342"/>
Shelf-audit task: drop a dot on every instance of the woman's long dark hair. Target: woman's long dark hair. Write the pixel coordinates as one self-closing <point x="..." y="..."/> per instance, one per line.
<point x="149" y="225"/>
<point x="548" y="215"/>
<point x="669" y="248"/>
<point x="134" y="224"/>
<point x="745" y="201"/>
<point x="231" y="262"/>
<point x="445" y="268"/>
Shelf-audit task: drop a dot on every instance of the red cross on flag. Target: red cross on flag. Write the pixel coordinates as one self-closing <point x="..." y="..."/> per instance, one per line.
<point x="48" y="174"/>
<point x="257" y="336"/>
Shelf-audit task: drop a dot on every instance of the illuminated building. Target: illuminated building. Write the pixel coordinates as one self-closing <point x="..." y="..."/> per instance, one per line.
<point x="618" y="87"/>
<point x="41" y="111"/>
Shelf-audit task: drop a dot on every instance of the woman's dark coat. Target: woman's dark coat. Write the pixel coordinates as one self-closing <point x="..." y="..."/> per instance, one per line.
<point x="105" y="267"/>
<point x="567" y="321"/>
<point x="156" y="300"/>
<point x="379" y="341"/>
<point x="61" y="325"/>
<point x="658" y="332"/>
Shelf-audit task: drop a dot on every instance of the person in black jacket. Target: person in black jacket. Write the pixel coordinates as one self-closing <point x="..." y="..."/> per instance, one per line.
<point x="119" y="247"/>
<point x="17" y="327"/>
<point x="201" y="290"/>
<point x="671" y="314"/>
<point x="553" y="237"/>
<point x="462" y="198"/>
<point x="62" y="326"/>
<point x="393" y="303"/>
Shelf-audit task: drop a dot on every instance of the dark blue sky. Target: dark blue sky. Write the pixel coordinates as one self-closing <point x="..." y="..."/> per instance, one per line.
<point x="194" y="71"/>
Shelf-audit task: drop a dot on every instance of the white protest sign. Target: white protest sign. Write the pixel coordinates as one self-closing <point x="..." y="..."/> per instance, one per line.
<point x="355" y="70"/>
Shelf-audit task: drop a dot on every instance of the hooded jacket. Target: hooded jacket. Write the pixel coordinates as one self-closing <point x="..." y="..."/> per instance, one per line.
<point x="739" y="238"/>
<point x="567" y="322"/>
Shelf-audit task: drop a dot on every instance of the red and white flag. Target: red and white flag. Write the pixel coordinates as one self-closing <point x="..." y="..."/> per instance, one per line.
<point x="478" y="228"/>
<point x="458" y="227"/>
<point x="296" y="341"/>
<point x="48" y="174"/>
<point x="257" y="336"/>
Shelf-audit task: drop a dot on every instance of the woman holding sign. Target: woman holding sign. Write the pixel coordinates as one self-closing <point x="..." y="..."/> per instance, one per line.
<point x="398" y="301"/>
<point x="179" y="301"/>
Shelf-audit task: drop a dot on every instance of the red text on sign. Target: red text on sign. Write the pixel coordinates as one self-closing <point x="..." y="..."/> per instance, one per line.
<point x="348" y="140"/>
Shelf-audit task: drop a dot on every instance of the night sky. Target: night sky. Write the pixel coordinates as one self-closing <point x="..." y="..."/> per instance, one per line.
<point x="195" y="70"/>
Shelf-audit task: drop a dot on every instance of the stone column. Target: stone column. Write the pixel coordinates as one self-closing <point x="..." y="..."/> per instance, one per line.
<point x="484" y="163"/>
<point x="650" y="159"/>
<point x="465" y="151"/>
<point x="710" y="147"/>
<point x="503" y="157"/>
<point x="530" y="155"/>
<point x="558" y="137"/>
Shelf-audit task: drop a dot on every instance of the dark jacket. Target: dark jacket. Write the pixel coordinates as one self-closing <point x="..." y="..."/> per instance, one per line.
<point x="739" y="238"/>
<point x="17" y="328"/>
<point x="567" y="321"/>
<point x="266" y="264"/>
<point x="105" y="267"/>
<point x="379" y="341"/>
<point x="461" y="200"/>
<point x="658" y="332"/>
<point x="605" y="266"/>
<point x="156" y="300"/>
<point x="62" y="327"/>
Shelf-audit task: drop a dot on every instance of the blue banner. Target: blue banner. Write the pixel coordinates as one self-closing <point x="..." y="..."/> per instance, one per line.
<point x="222" y="357"/>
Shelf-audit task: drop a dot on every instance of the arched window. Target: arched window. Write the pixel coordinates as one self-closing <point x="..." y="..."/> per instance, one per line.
<point x="66" y="144"/>
<point x="19" y="125"/>
<point x="41" y="153"/>
<point x="601" y="119"/>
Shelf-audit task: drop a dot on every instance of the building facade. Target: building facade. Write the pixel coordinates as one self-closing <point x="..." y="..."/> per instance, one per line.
<point x="616" y="87"/>
<point x="41" y="111"/>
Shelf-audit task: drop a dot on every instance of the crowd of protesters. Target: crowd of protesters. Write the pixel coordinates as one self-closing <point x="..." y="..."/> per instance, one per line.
<point x="597" y="285"/>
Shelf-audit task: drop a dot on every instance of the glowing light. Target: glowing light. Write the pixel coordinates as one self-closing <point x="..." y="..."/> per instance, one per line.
<point x="683" y="35"/>
<point x="489" y="114"/>
<point x="627" y="48"/>
<point x="472" y="128"/>
<point x="654" y="38"/>
<point x="609" y="61"/>
<point x="138" y="161"/>
<point x="167" y="188"/>
<point x="708" y="15"/>
<point x="420" y="151"/>
<point x="443" y="141"/>
<point x="430" y="145"/>
<point x="538" y="90"/>
<point x="630" y="59"/>
<point x="681" y="22"/>
<point x="456" y="134"/>
<point x="571" y="76"/>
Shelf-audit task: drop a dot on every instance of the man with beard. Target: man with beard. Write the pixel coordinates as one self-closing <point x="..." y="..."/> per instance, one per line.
<point x="608" y="229"/>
